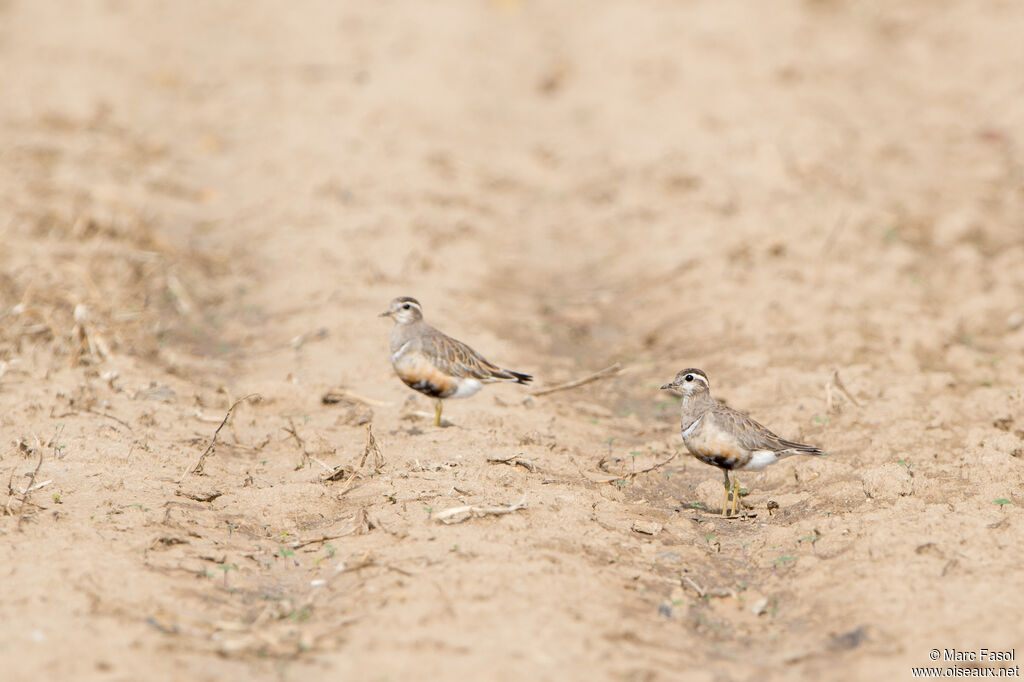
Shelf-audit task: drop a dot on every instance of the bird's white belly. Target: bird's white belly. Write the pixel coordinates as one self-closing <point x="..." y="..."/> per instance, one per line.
<point x="761" y="459"/>
<point x="466" y="388"/>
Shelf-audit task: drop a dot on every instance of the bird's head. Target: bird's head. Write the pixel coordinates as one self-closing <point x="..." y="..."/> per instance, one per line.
<point x="403" y="310"/>
<point x="689" y="381"/>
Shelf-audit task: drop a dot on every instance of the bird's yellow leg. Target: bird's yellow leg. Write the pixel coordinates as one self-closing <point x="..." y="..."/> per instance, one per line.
<point x="725" y="500"/>
<point x="437" y="413"/>
<point x="735" y="496"/>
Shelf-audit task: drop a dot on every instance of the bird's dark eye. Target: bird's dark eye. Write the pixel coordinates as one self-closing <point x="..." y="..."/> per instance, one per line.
<point x="406" y="306"/>
<point x="688" y="377"/>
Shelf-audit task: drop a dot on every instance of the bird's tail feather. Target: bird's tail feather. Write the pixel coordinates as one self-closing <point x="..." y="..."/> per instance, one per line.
<point x="801" y="448"/>
<point x="520" y="377"/>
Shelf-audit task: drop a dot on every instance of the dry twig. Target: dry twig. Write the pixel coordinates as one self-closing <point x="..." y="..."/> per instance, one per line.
<point x="197" y="468"/>
<point x="294" y="433"/>
<point x="337" y="473"/>
<point x="31" y="485"/>
<point x="320" y="462"/>
<point x="10" y="492"/>
<point x="696" y="588"/>
<point x="513" y="460"/>
<point x="654" y="466"/>
<point x="369" y="561"/>
<point x="209" y="496"/>
<point x="371" y="451"/>
<point x="633" y="474"/>
<point x="460" y="514"/>
<point x="839" y="384"/>
<point x="834" y="380"/>
<point x="109" y="416"/>
<point x="371" y="448"/>
<point x="323" y="538"/>
<point x="339" y="394"/>
<point x="604" y="373"/>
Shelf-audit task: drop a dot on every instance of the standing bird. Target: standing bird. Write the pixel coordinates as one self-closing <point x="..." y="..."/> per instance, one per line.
<point x="720" y="436"/>
<point x="437" y="365"/>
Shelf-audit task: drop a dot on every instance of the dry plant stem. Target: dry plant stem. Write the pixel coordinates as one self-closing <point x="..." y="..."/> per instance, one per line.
<point x="320" y="462"/>
<point x="336" y="474"/>
<point x="199" y="497"/>
<point x="110" y="416"/>
<point x="338" y="394"/>
<point x="697" y="588"/>
<point x="654" y="466"/>
<point x="371" y="448"/>
<point x="348" y="483"/>
<point x="10" y="492"/>
<point x="839" y="384"/>
<point x="371" y="562"/>
<point x="30" y="486"/>
<point x="634" y="474"/>
<point x="197" y="468"/>
<point x="291" y="430"/>
<point x="452" y="515"/>
<point x="833" y="234"/>
<point x="182" y="301"/>
<point x="324" y="538"/>
<point x="604" y="373"/>
<point x="513" y="461"/>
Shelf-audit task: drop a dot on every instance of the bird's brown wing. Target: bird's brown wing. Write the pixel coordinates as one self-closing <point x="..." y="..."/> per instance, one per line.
<point x="457" y="359"/>
<point x="754" y="436"/>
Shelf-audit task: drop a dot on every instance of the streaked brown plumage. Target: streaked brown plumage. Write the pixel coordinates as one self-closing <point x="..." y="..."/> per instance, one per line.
<point x="435" y="364"/>
<point x="720" y="436"/>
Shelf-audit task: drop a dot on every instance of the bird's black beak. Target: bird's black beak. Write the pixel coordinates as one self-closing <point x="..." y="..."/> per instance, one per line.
<point x="667" y="386"/>
<point x="386" y="313"/>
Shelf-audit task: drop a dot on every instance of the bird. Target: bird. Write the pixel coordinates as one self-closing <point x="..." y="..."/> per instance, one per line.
<point x="434" y="363"/>
<point x="723" y="437"/>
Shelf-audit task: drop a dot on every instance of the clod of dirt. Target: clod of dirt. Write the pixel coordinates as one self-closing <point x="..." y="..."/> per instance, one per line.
<point x="759" y="606"/>
<point x="646" y="527"/>
<point x="1003" y="423"/>
<point x="165" y="541"/>
<point x="848" y="640"/>
<point x="887" y="482"/>
<point x="355" y="415"/>
<point x="199" y="495"/>
<point x="356" y="412"/>
<point x="988" y="441"/>
<point x="709" y="493"/>
<point x="159" y="392"/>
<point x="989" y="452"/>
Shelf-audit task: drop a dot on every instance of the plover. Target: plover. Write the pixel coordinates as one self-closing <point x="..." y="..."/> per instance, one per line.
<point x="720" y="436"/>
<point x="435" y="364"/>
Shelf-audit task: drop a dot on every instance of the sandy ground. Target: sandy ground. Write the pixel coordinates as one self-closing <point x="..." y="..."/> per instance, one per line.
<point x="202" y="201"/>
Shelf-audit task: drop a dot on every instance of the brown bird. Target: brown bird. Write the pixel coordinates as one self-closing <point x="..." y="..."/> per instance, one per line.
<point x="435" y="364"/>
<point x="720" y="436"/>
